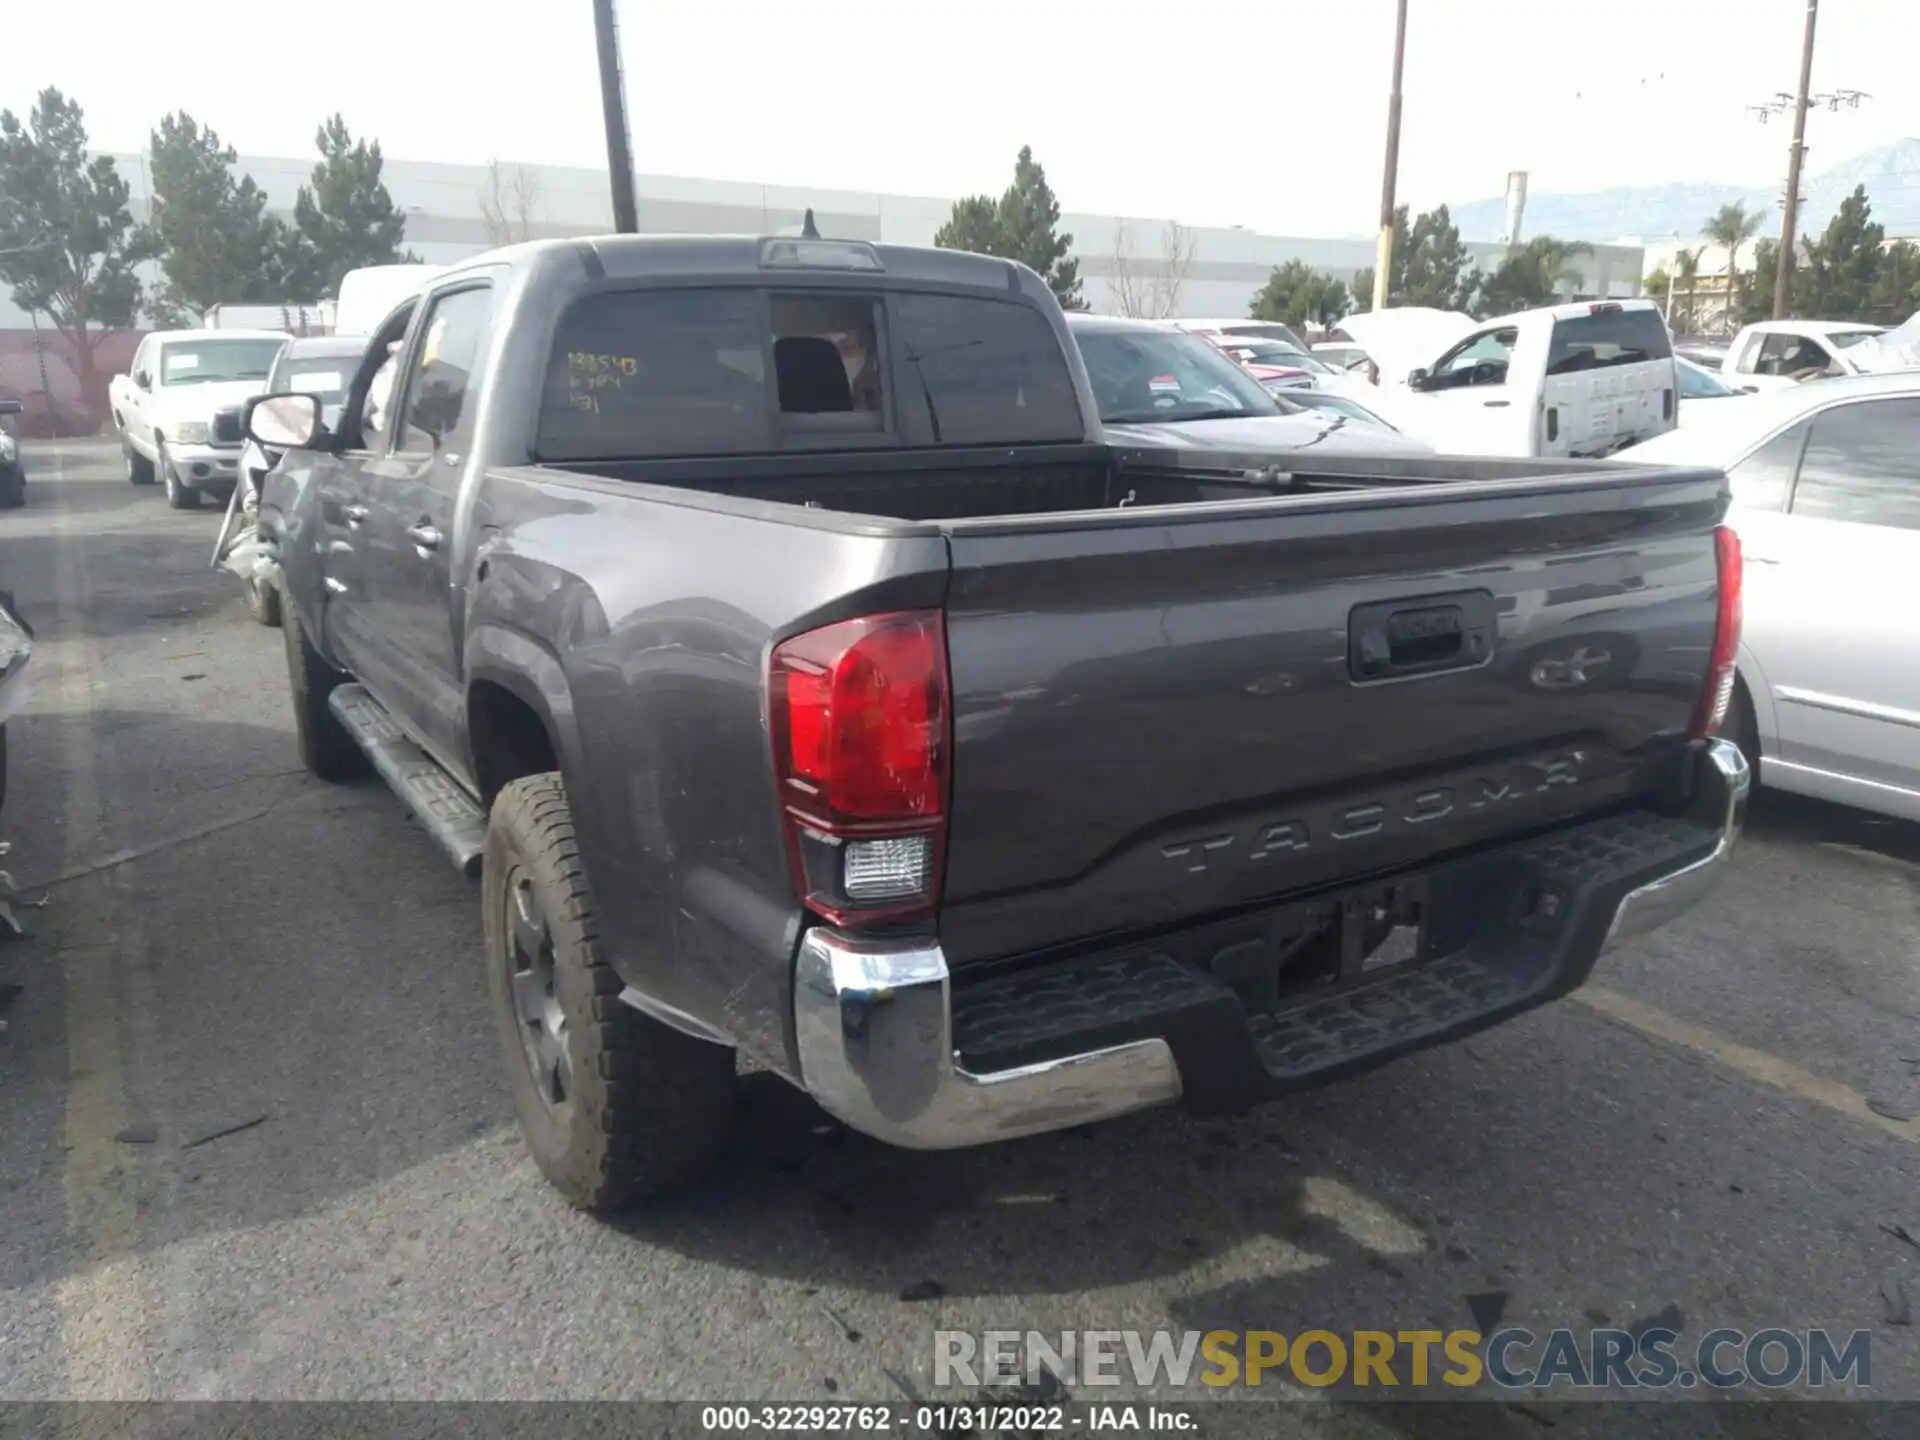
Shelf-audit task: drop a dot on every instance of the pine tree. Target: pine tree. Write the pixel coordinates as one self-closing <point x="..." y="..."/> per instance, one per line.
<point x="1023" y="225"/>
<point x="218" y="244"/>
<point x="345" y="219"/>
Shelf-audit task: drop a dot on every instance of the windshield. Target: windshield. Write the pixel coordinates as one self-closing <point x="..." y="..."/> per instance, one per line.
<point x="1847" y="339"/>
<point x="1143" y="375"/>
<point x="1697" y="383"/>
<point x="320" y="375"/>
<point x="201" y="362"/>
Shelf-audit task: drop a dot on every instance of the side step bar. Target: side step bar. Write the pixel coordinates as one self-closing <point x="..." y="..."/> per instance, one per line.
<point x="451" y="816"/>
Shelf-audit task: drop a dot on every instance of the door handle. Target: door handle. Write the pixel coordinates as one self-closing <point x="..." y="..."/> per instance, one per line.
<point x="1752" y="559"/>
<point x="424" y="536"/>
<point x="356" y="514"/>
<point x="1496" y="404"/>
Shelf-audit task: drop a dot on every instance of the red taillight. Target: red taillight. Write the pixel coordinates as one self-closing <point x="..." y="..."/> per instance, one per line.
<point x="1717" y="694"/>
<point x="860" y="742"/>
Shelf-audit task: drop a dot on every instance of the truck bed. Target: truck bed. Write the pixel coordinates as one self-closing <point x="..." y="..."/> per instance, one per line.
<point x="1052" y="480"/>
<point x="1156" y="710"/>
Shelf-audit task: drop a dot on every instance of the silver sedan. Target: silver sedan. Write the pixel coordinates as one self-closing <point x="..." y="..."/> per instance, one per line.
<point x="1826" y="487"/>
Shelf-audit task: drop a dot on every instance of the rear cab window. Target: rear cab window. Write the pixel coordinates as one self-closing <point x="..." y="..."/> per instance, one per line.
<point x="734" y="370"/>
<point x="1607" y="337"/>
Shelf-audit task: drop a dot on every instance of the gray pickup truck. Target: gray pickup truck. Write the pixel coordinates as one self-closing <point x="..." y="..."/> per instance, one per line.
<point x="806" y="674"/>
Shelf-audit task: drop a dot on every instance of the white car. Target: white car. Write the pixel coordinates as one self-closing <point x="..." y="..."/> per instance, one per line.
<point x="1826" y="487"/>
<point x="164" y="407"/>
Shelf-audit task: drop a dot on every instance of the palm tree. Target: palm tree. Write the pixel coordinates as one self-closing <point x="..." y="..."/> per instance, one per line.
<point x="1733" y="225"/>
<point x="1555" y="258"/>
<point x="1686" y="272"/>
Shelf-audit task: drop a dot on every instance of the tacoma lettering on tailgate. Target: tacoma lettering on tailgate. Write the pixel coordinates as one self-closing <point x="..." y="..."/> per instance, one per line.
<point x="1406" y="810"/>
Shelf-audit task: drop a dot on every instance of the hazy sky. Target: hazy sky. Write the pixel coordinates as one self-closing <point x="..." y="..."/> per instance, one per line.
<point x="1264" y="113"/>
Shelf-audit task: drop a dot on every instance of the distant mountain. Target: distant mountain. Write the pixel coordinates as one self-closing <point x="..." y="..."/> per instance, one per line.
<point x="1891" y="174"/>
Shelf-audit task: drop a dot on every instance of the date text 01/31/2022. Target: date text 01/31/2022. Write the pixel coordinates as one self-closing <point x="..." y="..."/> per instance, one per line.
<point x="924" y="1419"/>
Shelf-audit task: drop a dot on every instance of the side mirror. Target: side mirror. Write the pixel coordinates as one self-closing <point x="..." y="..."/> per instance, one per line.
<point x="1417" y="378"/>
<point x="284" y="422"/>
<point x="141" y="380"/>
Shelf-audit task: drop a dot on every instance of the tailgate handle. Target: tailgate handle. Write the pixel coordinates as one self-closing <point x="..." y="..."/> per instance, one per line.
<point x="1426" y="636"/>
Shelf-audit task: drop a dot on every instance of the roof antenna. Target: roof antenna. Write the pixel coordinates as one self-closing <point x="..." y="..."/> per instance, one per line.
<point x="808" y="230"/>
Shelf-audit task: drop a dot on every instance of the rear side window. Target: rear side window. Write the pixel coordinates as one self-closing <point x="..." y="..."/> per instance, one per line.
<point x="1608" y="337"/>
<point x="654" y="373"/>
<point x="980" y="372"/>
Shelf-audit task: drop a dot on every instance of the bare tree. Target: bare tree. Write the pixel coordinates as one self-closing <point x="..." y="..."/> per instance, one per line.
<point x="1150" y="289"/>
<point x="509" y="203"/>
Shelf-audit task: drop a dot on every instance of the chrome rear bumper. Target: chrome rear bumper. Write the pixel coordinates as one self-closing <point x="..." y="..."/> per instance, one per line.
<point x="873" y="1019"/>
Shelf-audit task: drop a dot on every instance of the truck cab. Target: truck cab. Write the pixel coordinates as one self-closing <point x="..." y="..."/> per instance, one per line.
<point x="1779" y="352"/>
<point x="1581" y="380"/>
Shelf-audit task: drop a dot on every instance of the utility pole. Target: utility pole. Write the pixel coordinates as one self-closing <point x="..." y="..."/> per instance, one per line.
<point x="1790" y="206"/>
<point x="1383" y="252"/>
<point x="613" y="105"/>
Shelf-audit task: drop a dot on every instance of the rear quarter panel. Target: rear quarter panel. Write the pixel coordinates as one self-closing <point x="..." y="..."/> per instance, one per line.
<point x="659" y="611"/>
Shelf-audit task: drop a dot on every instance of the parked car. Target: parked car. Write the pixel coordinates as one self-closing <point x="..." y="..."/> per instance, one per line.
<point x="1276" y="364"/>
<point x="1244" y="329"/>
<point x="1826" y="487"/>
<point x="163" y="408"/>
<point x="1341" y="355"/>
<point x="1320" y="399"/>
<point x="1585" y="379"/>
<point x="1708" y="355"/>
<point x="1699" y="383"/>
<point x="1784" y="351"/>
<point x="1156" y="385"/>
<point x="321" y="366"/>
<point x="13" y="469"/>
<point x="977" y="764"/>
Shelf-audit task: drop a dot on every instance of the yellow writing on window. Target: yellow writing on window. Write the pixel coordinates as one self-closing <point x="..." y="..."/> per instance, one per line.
<point x="589" y="374"/>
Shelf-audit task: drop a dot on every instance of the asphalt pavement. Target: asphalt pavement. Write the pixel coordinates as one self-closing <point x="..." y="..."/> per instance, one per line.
<point x="255" y="1141"/>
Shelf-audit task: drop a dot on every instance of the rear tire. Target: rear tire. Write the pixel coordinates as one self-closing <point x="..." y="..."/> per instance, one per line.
<point x="326" y="749"/>
<point x="614" y="1106"/>
<point x="13" y="490"/>
<point x="1746" y="728"/>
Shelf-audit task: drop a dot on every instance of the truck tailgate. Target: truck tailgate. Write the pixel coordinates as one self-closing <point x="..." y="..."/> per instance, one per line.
<point x="1165" y="714"/>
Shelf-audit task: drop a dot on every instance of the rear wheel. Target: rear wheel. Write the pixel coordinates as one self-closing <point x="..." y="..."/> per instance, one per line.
<point x="615" y="1107"/>
<point x="326" y="749"/>
<point x="1745" y="728"/>
<point x="13" y="488"/>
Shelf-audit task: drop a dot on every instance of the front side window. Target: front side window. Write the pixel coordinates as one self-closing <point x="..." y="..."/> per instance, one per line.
<point x="442" y="375"/>
<point x="206" y="362"/>
<point x="1141" y="376"/>
<point x="1862" y="464"/>
<point x="1478" y="360"/>
<point x="1792" y="355"/>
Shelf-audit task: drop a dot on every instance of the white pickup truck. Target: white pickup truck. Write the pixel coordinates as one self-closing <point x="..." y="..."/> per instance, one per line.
<point x="1579" y="380"/>
<point x="1774" y="354"/>
<point x="164" y="407"/>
